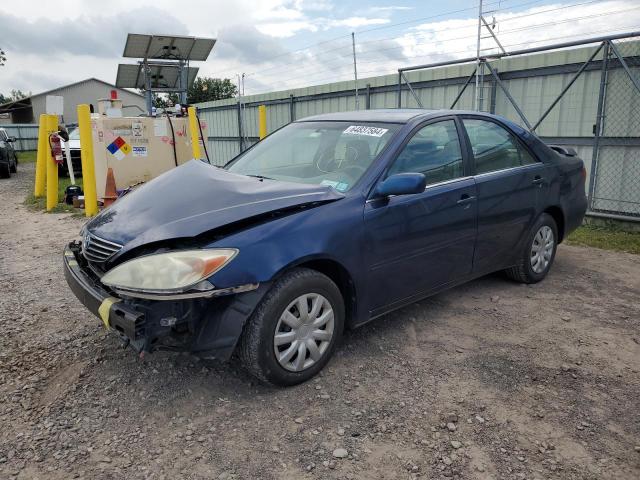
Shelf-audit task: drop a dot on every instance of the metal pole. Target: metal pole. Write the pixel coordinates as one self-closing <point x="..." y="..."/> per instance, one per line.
<point x="525" y="51"/>
<point x="504" y="52"/>
<point x="477" y="96"/>
<point x="292" y="109"/>
<point x="88" y="162"/>
<point x="148" y="95"/>
<point x="506" y="92"/>
<point x="399" y="89"/>
<point x="625" y="66"/>
<point x="355" y="68"/>
<point x="241" y="145"/>
<point x="262" y="121"/>
<point x="567" y="87"/>
<point x="367" y="103"/>
<point x="413" y="93"/>
<point x="240" y="138"/>
<point x="194" y="133"/>
<point x="599" y="123"/>
<point x="464" y="87"/>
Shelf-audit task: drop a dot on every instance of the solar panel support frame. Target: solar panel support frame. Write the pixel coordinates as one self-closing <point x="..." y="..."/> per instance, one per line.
<point x="179" y="61"/>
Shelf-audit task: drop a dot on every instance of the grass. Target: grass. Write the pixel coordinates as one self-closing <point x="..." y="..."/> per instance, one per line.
<point x="41" y="203"/>
<point x="607" y="238"/>
<point x="27" y="157"/>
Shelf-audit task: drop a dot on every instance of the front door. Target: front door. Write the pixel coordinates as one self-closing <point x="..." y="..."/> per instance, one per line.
<point x="417" y="243"/>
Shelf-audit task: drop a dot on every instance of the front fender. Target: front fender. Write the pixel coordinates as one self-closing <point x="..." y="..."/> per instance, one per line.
<point x="326" y="232"/>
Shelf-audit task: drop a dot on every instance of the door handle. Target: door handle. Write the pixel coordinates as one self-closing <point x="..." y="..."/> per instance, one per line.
<point x="537" y="180"/>
<point x="464" y="199"/>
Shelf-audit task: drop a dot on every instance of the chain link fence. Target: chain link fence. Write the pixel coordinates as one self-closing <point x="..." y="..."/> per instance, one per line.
<point x="616" y="157"/>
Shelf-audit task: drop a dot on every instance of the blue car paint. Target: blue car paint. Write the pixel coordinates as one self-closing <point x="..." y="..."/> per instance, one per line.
<point x="391" y="255"/>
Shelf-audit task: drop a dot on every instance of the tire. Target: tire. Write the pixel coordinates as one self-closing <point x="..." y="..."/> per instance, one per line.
<point x="257" y="348"/>
<point x="14" y="169"/>
<point x="5" y="170"/>
<point x="532" y="269"/>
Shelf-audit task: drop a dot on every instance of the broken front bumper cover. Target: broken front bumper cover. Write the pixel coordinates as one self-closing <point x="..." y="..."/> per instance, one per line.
<point x="207" y="327"/>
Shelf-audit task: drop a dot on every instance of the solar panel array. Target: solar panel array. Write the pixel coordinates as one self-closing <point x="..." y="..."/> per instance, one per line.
<point x="164" y="76"/>
<point x="167" y="47"/>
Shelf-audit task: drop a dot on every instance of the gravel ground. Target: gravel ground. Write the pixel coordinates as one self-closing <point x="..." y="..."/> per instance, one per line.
<point x="489" y="380"/>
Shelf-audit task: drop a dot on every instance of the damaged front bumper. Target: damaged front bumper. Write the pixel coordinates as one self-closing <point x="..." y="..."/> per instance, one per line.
<point x="205" y="326"/>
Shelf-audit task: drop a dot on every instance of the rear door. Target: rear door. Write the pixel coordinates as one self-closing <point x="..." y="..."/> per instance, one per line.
<point x="508" y="179"/>
<point x="416" y="243"/>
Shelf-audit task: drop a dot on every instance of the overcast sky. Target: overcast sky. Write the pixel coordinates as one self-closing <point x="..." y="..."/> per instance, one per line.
<point x="51" y="44"/>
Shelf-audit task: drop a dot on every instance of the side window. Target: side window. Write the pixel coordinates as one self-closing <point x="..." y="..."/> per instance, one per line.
<point x="3" y="136"/>
<point x="494" y="148"/>
<point x="525" y="157"/>
<point x="434" y="151"/>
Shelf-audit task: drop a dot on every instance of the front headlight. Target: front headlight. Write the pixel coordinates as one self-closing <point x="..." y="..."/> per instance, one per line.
<point x="168" y="272"/>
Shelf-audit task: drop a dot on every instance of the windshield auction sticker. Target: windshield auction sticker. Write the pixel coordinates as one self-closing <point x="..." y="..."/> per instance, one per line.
<point x="364" y="130"/>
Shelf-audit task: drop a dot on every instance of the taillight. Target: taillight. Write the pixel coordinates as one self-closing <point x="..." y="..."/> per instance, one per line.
<point x="584" y="174"/>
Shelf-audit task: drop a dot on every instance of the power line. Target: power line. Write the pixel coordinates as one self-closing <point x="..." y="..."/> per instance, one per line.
<point x="346" y="48"/>
<point x="346" y="37"/>
<point x="504" y="32"/>
<point x="343" y="76"/>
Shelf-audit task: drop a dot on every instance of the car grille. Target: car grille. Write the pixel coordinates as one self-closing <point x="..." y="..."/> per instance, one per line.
<point x="96" y="249"/>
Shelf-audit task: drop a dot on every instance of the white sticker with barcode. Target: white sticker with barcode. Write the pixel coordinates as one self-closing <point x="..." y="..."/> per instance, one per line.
<point x="364" y="130"/>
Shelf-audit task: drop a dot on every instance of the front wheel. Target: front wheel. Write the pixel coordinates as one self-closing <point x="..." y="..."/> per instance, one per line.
<point x="294" y="331"/>
<point x="5" y="170"/>
<point x="538" y="253"/>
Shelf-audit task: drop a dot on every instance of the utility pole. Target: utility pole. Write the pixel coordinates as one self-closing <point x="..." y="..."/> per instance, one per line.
<point x="355" y="68"/>
<point x="476" y="101"/>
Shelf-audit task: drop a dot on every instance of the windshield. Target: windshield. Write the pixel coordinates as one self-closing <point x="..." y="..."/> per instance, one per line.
<point x="327" y="153"/>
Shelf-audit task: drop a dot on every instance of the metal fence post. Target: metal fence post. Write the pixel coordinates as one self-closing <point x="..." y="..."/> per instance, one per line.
<point x="599" y="127"/>
<point x="493" y="93"/>
<point x="240" y="137"/>
<point x="399" y="89"/>
<point x="367" y="104"/>
<point x="292" y="109"/>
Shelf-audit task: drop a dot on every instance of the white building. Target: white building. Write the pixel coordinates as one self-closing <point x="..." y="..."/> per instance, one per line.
<point x="28" y="110"/>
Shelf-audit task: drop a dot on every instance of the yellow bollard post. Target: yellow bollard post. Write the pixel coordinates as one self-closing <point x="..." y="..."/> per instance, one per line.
<point x="86" y="158"/>
<point x="41" y="159"/>
<point x="194" y="130"/>
<point x="262" y="121"/>
<point x="52" y="167"/>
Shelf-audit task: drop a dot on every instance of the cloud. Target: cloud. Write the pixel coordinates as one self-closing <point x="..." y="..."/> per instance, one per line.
<point x="264" y="38"/>
<point x="355" y="22"/>
<point x="101" y="35"/>
<point x="244" y="43"/>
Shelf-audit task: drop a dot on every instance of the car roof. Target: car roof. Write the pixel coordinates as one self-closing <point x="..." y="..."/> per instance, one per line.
<point x="387" y="115"/>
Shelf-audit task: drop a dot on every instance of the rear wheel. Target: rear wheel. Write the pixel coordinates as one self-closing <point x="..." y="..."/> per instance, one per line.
<point x="293" y="332"/>
<point x="538" y="253"/>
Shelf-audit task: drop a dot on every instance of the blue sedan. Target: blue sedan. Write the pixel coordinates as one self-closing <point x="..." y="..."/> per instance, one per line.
<point x="326" y="224"/>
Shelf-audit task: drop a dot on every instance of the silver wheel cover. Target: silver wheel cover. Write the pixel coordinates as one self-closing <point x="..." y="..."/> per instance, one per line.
<point x="542" y="249"/>
<point x="304" y="332"/>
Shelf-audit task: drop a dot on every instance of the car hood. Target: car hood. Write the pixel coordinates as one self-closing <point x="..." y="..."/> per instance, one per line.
<point x="196" y="198"/>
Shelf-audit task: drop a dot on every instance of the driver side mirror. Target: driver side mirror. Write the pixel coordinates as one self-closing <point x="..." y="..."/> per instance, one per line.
<point x="402" y="184"/>
<point x="11" y="139"/>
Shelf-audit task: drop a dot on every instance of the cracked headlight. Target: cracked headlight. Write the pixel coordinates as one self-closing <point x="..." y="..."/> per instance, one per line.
<point x="169" y="272"/>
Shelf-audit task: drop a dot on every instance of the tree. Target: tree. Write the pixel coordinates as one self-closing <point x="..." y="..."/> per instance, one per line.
<point x="208" y="89"/>
<point x="13" y="96"/>
<point x="18" y="95"/>
<point x="3" y="58"/>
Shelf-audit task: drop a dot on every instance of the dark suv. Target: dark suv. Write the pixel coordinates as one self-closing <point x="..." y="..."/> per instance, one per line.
<point x="8" y="156"/>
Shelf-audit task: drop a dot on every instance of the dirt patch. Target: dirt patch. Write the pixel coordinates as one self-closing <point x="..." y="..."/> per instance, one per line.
<point x="489" y="380"/>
